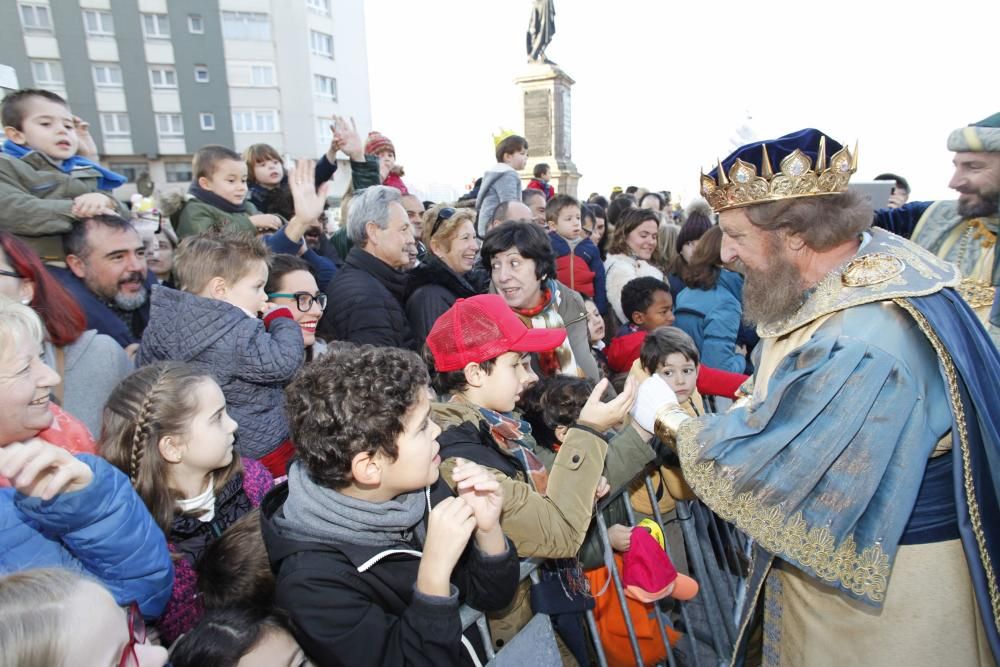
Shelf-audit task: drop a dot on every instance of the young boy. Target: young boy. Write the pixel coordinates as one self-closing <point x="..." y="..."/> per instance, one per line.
<point x="48" y="176"/>
<point x="578" y="261"/>
<point x="541" y="180"/>
<point x="389" y="172"/>
<point x="367" y="574"/>
<point x="648" y="305"/>
<point x="212" y="322"/>
<point x="501" y="182"/>
<point x="216" y="197"/>
<point x="479" y="349"/>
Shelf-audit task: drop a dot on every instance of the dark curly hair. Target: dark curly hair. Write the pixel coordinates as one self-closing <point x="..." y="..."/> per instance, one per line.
<point x="638" y="294"/>
<point x="554" y="401"/>
<point x="352" y="400"/>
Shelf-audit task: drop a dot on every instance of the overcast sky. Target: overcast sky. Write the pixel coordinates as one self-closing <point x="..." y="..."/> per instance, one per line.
<point x="663" y="88"/>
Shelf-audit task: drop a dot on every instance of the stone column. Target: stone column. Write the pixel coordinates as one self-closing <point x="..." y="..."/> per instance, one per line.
<point x="545" y="103"/>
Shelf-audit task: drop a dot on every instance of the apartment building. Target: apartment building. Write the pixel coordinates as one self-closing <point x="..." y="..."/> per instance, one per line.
<point x="156" y="79"/>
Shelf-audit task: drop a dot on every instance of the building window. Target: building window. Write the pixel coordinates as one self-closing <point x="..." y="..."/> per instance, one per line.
<point x="325" y="87"/>
<point x="262" y="75"/>
<point x="98" y="24"/>
<point x="207" y="120"/>
<point x="155" y="26"/>
<point x="322" y="43"/>
<point x="130" y="170"/>
<point x="255" y="120"/>
<point x="115" y="125"/>
<point x="108" y="76"/>
<point x="169" y="125"/>
<point x="178" y="172"/>
<point x="246" y="25"/>
<point x="163" y="77"/>
<point x="201" y="74"/>
<point x="196" y="26"/>
<point x="319" y="6"/>
<point x="35" y="18"/>
<point x="47" y="73"/>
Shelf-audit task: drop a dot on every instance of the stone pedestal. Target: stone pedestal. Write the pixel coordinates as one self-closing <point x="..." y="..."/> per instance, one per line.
<point x="545" y="105"/>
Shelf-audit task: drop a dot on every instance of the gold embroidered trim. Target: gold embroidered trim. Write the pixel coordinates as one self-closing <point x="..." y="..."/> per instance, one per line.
<point x="871" y="269"/>
<point x="963" y="438"/>
<point x="864" y="573"/>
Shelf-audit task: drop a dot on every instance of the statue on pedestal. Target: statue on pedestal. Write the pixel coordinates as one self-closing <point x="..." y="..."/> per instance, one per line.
<point x="541" y="29"/>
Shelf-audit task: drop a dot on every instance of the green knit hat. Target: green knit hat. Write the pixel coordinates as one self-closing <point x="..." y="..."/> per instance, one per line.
<point x="981" y="137"/>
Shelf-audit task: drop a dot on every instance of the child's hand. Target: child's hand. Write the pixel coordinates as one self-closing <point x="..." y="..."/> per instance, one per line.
<point x="91" y="204"/>
<point x="449" y="526"/>
<point x="42" y="470"/>
<point x="604" y="416"/>
<point x="348" y="139"/>
<point x="86" y="147"/>
<point x="482" y="492"/>
<point x="620" y="537"/>
<point x="265" y="222"/>
<point x="603" y="488"/>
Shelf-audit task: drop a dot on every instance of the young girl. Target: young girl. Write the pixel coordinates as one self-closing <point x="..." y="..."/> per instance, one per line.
<point x="269" y="190"/>
<point x="167" y="428"/>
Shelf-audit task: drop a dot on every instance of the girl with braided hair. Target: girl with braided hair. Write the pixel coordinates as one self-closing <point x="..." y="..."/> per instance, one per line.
<point x="166" y="427"/>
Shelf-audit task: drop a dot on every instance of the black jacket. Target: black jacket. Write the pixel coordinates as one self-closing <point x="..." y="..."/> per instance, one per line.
<point x="355" y="605"/>
<point x="433" y="288"/>
<point x="366" y="304"/>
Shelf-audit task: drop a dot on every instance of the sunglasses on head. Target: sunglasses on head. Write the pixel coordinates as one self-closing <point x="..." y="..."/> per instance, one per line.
<point x="443" y="214"/>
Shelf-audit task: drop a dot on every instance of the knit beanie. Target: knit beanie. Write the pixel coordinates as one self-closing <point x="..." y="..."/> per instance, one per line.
<point x="377" y="142"/>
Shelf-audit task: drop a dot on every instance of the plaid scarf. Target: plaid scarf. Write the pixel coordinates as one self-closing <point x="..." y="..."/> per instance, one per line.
<point x="545" y="315"/>
<point x="508" y="433"/>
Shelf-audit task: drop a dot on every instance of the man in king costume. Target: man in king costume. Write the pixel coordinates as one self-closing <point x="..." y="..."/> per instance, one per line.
<point x="864" y="461"/>
<point x="963" y="231"/>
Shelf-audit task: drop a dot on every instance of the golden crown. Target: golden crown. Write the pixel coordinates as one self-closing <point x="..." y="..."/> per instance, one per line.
<point x="503" y="134"/>
<point x="742" y="186"/>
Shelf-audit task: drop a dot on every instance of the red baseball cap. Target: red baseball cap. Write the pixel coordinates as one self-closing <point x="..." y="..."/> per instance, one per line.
<point x="481" y="328"/>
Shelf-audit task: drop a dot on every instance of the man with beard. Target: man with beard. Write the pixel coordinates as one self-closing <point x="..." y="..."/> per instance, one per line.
<point x="106" y="273"/>
<point x="864" y="462"/>
<point x="963" y="231"/>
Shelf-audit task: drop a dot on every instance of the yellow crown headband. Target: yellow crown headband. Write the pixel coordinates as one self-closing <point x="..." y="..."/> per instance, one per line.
<point x="497" y="138"/>
<point x="742" y="186"/>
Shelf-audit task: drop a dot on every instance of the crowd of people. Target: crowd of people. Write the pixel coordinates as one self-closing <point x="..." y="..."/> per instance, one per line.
<point x="246" y="438"/>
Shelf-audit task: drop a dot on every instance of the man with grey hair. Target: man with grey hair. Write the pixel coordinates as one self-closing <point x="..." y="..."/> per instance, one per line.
<point x="107" y="275"/>
<point x="367" y="295"/>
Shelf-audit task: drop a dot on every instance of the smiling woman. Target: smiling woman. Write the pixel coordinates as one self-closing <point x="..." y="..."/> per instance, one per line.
<point x="446" y="273"/>
<point x="629" y="251"/>
<point x="292" y="283"/>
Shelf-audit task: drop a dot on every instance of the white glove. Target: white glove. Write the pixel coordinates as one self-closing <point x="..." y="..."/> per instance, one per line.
<point x="653" y="394"/>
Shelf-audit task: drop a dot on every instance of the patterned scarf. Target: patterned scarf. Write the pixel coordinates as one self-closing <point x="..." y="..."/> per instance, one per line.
<point x="508" y="433"/>
<point x="545" y="315"/>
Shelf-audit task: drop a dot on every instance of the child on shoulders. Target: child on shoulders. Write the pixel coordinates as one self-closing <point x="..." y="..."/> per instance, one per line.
<point x="578" y="261"/>
<point x="212" y="322"/>
<point x="49" y="177"/>
<point x="501" y="182"/>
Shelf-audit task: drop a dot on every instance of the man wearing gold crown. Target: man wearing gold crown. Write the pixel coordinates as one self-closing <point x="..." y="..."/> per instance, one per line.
<point x="963" y="231"/>
<point x="865" y="460"/>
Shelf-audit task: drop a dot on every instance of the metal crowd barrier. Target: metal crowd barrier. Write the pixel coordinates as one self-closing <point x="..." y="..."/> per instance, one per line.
<point x="717" y="556"/>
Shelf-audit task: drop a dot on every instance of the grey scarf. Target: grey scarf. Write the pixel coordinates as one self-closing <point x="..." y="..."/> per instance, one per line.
<point x="322" y="514"/>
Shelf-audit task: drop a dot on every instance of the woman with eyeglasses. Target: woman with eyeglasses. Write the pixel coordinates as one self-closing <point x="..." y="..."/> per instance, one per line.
<point x="57" y="617"/>
<point x="60" y="510"/>
<point x="292" y="283"/>
<point x="90" y="364"/>
<point x="446" y="273"/>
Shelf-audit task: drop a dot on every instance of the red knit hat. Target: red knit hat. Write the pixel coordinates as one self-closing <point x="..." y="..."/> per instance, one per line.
<point x="377" y="142"/>
<point x="648" y="573"/>
<point x="482" y="328"/>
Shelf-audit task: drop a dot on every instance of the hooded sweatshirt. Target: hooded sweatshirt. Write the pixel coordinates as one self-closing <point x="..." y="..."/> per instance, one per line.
<point x="500" y="183"/>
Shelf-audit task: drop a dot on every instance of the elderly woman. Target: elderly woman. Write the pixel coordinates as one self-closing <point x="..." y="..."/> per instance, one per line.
<point x="292" y="283"/>
<point x="522" y="269"/>
<point x="630" y="250"/>
<point x="91" y="364"/>
<point x="446" y="273"/>
<point x="73" y="512"/>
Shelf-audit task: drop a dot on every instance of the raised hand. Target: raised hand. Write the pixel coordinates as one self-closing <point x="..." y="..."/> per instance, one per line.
<point x="86" y="146"/>
<point x="349" y="139"/>
<point x="309" y="203"/>
<point x="42" y="470"/>
<point x="604" y="416"/>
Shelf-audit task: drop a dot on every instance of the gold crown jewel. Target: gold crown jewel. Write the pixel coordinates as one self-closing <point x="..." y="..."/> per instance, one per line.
<point x="743" y="186"/>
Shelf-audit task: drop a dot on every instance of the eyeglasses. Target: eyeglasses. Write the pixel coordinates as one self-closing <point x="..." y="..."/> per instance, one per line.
<point x="303" y="300"/>
<point x="137" y="635"/>
<point x="10" y="274"/>
<point x="443" y="214"/>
